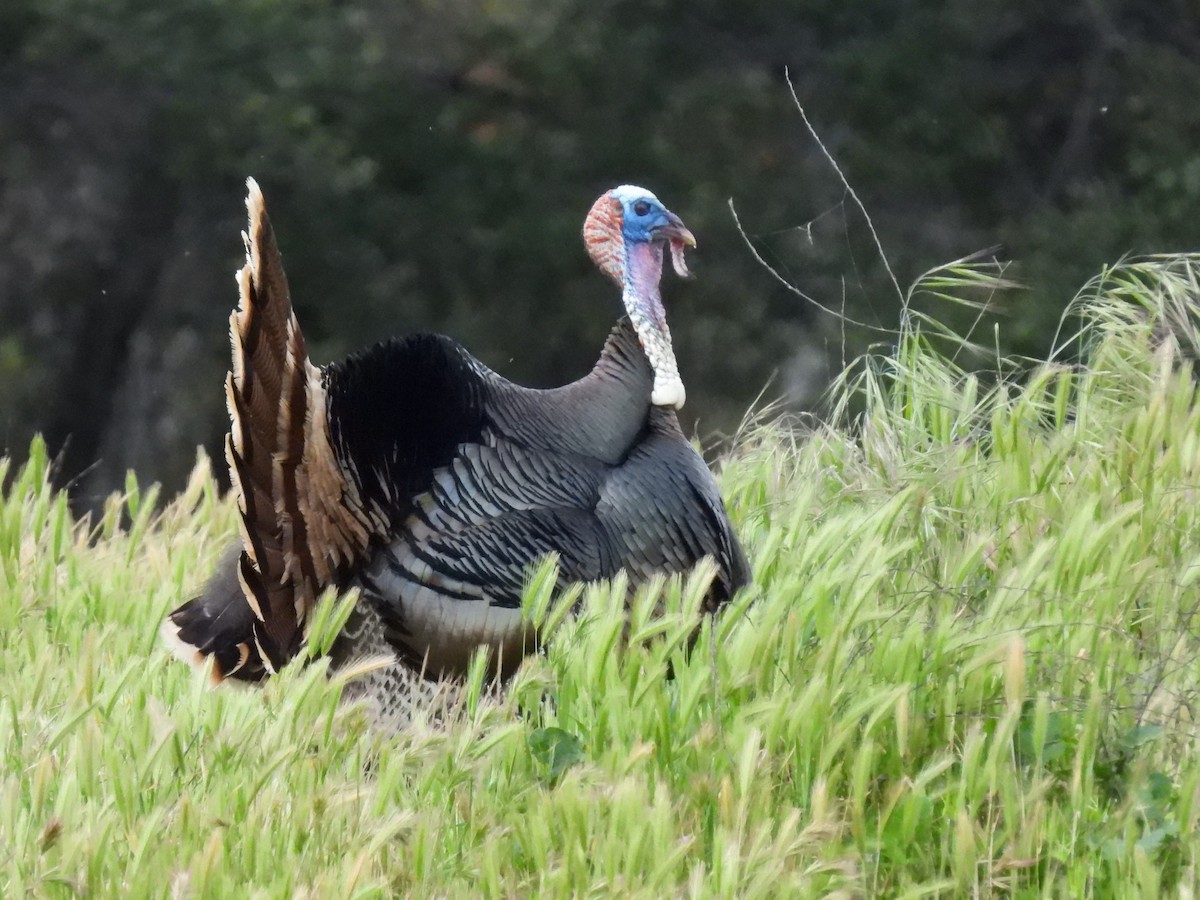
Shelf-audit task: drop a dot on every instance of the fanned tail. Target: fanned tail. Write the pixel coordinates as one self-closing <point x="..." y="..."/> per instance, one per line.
<point x="302" y="522"/>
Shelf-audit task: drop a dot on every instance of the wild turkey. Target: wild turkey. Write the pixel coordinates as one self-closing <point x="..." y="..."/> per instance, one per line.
<point x="415" y="472"/>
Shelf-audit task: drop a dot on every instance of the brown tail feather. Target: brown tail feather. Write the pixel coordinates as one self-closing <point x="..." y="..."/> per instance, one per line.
<point x="302" y="520"/>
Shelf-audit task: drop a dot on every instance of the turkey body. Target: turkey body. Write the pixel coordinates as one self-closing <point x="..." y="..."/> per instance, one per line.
<point x="591" y="472"/>
<point x="417" y="474"/>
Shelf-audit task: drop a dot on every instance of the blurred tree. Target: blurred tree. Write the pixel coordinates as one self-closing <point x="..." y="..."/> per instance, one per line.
<point x="428" y="166"/>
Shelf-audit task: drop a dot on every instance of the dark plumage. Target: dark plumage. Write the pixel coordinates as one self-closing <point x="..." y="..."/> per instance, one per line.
<point x="417" y="473"/>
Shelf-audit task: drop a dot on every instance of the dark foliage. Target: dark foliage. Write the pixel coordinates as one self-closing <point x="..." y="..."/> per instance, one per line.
<point x="429" y="165"/>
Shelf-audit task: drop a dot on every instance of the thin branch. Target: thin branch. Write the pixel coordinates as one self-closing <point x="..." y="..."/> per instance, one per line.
<point x="846" y="184"/>
<point x="791" y="287"/>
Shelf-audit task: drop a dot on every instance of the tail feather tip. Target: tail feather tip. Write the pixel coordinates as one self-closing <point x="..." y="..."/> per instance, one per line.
<point x="186" y="652"/>
<point x="256" y="208"/>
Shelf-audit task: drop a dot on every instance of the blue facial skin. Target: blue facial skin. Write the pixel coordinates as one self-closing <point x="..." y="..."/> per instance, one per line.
<point x="641" y="228"/>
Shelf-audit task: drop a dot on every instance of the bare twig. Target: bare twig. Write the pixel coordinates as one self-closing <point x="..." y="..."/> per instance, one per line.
<point x="791" y="287"/>
<point x="846" y="184"/>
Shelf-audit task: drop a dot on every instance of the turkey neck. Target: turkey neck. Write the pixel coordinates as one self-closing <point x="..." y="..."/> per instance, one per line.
<point x="642" y="295"/>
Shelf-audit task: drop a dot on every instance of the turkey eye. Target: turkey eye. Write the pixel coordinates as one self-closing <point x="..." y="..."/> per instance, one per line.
<point x="641" y="208"/>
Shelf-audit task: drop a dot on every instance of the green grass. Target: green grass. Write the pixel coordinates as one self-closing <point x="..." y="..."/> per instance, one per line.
<point x="969" y="666"/>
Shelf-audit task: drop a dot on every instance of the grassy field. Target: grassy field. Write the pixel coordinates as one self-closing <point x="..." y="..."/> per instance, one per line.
<point x="968" y="667"/>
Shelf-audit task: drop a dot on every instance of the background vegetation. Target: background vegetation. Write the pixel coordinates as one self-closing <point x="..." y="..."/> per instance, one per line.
<point x="429" y="164"/>
<point x="968" y="668"/>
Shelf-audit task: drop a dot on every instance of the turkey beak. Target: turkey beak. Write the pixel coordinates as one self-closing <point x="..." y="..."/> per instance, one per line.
<point x="675" y="232"/>
<point x="677" y="237"/>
